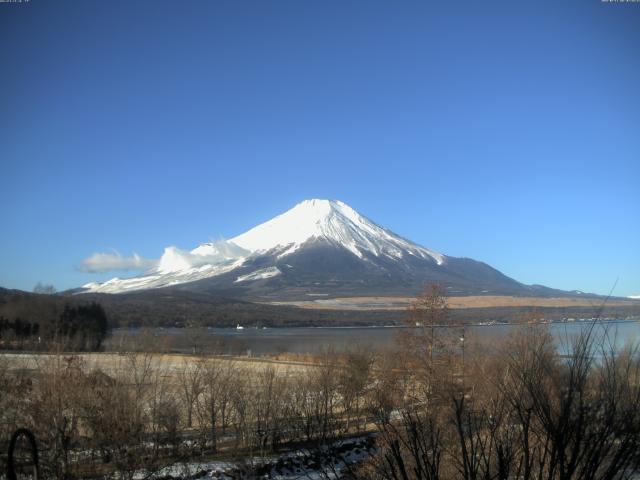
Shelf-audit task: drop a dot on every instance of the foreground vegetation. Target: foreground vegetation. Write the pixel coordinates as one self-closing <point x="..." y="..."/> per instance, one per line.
<point x="439" y="406"/>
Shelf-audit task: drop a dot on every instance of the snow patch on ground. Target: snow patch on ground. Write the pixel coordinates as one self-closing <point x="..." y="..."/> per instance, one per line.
<point x="199" y="470"/>
<point x="324" y="462"/>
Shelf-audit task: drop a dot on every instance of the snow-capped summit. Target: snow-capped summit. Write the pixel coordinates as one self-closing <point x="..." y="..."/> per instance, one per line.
<point x="330" y="220"/>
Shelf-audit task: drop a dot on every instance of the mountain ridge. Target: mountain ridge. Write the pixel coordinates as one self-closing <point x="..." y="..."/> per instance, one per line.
<point x="318" y="247"/>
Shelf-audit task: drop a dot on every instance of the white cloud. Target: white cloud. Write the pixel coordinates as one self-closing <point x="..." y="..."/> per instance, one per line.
<point x="174" y="266"/>
<point x="104" y="262"/>
<point x="174" y="259"/>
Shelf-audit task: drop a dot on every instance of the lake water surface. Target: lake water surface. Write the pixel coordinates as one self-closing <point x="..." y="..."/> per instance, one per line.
<point x="312" y="339"/>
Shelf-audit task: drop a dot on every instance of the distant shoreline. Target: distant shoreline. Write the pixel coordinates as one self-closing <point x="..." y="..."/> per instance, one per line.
<point x="352" y="327"/>
<point x="464" y="302"/>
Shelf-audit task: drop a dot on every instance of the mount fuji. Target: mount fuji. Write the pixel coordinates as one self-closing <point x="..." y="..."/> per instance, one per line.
<point x="317" y="248"/>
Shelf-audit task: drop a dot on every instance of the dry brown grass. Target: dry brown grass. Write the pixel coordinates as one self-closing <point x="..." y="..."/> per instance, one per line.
<point x="473" y="301"/>
<point x="115" y="362"/>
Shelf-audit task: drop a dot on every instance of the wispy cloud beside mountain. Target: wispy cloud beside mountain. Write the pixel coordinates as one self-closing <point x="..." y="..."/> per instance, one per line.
<point x="104" y="262"/>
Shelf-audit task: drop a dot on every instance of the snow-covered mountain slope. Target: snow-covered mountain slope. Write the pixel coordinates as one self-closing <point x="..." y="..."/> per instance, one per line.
<point x="178" y="266"/>
<point x="318" y="247"/>
<point x="159" y="279"/>
<point x="174" y="260"/>
<point x="328" y="220"/>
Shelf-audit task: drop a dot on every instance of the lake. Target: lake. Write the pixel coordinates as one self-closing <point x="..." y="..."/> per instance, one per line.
<point x="313" y="339"/>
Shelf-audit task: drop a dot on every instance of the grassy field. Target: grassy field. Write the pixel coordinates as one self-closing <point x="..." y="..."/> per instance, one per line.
<point x="117" y="363"/>
<point x="477" y="301"/>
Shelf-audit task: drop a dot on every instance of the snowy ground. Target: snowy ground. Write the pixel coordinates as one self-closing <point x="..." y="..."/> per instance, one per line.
<point x="315" y="463"/>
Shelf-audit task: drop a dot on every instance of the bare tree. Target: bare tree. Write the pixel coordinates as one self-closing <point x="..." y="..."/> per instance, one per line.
<point x="353" y="378"/>
<point x="214" y="400"/>
<point x="55" y="411"/>
<point x="190" y="387"/>
<point x="424" y="342"/>
<point x="44" y="288"/>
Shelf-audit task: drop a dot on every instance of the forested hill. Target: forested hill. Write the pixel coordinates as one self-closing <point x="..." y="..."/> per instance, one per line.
<point x="41" y="321"/>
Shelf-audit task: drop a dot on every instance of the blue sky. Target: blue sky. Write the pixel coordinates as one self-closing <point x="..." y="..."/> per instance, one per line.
<point x="508" y="132"/>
